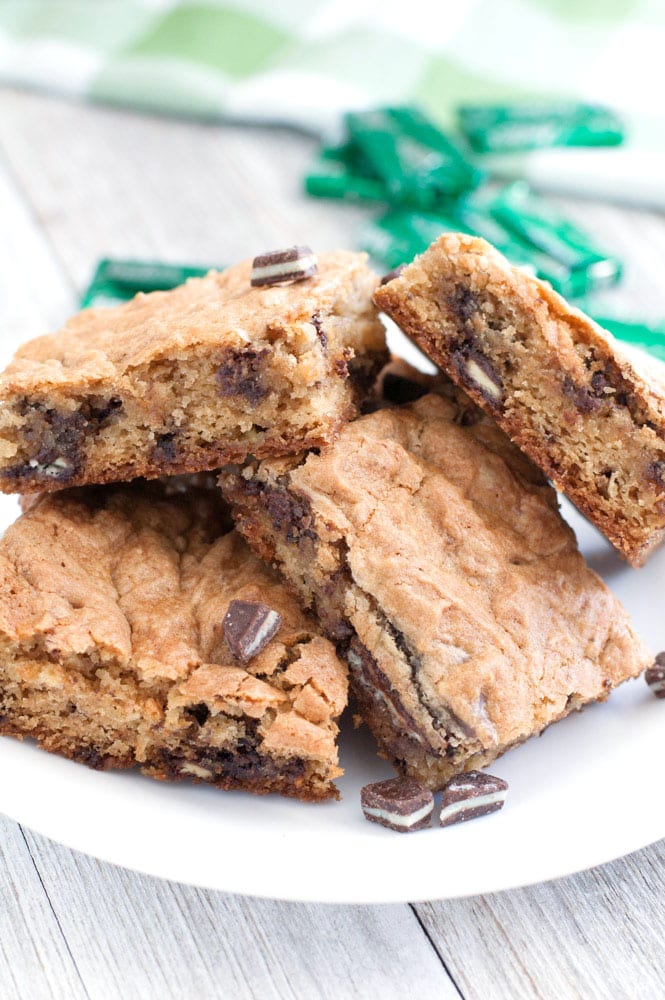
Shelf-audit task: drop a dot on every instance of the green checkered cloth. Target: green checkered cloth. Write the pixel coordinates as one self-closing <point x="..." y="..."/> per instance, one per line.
<point x="303" y="62"/>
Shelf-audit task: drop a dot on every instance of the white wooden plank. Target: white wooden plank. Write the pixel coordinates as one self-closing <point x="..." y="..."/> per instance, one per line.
<point x="157" y="939"/>
<point x="35" y="293"/>
<point x="35" y="963"/>
<point x="587" y="937"/>
<point x="121" y="184"/>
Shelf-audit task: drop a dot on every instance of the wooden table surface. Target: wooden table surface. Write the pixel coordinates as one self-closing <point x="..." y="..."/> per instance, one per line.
<point x="78" y="183"/>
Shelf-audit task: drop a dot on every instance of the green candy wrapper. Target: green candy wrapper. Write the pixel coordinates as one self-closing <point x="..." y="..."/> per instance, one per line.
<point x="116" y="281"/>
<point x="512" y="128"/>
<point x="418" y="163"/>
<point x="539" y="224"/>
<point x="329" y="178"/>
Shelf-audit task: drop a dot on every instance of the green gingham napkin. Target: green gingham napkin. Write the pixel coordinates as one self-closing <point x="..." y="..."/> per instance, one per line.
<point x="302" y="62"/>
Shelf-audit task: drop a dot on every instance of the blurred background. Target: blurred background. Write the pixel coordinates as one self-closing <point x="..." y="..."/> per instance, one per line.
<point x="202" y="132"/>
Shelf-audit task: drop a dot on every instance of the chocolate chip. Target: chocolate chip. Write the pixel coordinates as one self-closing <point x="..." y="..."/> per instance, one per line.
<point x="293" y="264"/>
<point x="341" y="365"/>
<point x="391" y="275"/>
<point x="401" y="804"/>
<point x="463" y="303"/>
<point x="320" y="332"/>
<point x="200" y="712"/>
<point x="471" y="795"/>
<point x="165" y="448"/>
<point x="242" y="374"/>
<point x="98" y="410"/>
<point x="600" y="383"/>
<point x="583" y="397"/>
<point x="606" y="384"/>
<point x="398" y="389"/>
<point x="655" y="676"/>
<point x="248" y="628"/>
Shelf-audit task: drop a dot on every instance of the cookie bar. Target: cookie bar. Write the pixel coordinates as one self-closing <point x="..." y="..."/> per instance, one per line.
<point x="435" y="557"/>
<point x="557" y="383"/>
<point x="113" y="604"/>
<point x="185" y="380"/>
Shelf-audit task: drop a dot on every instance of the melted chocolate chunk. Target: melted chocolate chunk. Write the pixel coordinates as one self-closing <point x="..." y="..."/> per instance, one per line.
<point x="339" y="632"/>
<point x="367" y="674"/>
<point x="370" y="406"/>
<point x="607" y="385"/>
<point x="242" y="374"/>
<point x="414" y="664"/>
<point x="463" y="303"/>
<point x="291" y="514"/>
<point x="599" y="383"/>
<point x="477" y="373"/>
<point x="57" y="438"/>
<point x="92" y="758"/>
<point x="470" y="417"/>
<point x="242" y="763"/>
<point x="100" y="411"/>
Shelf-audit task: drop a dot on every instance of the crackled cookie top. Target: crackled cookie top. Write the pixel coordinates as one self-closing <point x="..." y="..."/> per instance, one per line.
<point x="220" y="310"/>
<point x="435" y="553"/>
<point x="119" y="595"/>
<point x="185" y="380"/>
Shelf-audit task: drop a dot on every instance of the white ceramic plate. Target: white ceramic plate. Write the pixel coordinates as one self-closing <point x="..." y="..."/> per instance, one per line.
<point x="589" y="790"/>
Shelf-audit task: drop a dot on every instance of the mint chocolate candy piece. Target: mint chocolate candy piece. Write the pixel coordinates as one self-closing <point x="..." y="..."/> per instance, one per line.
<point x="400" y="804"/>
<point x="278" y="266"/>
<point x="248" y="628"/>
<point x="655" y="676"/>
<point x="471" y="795"/>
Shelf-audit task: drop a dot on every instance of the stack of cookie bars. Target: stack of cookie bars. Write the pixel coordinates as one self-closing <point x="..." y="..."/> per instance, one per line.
<point x="232" y="500"/>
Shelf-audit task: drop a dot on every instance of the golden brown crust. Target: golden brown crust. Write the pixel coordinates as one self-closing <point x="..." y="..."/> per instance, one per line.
<point x="188" y="379"/>
<point x="111" y="609"/>
<point x="554" y="381"/>
<point x="434" y="553"/>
